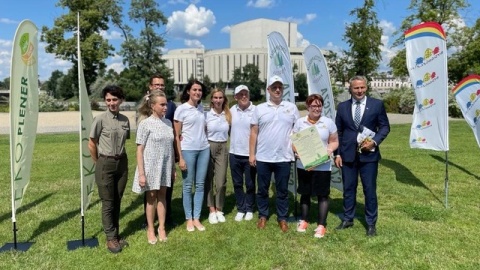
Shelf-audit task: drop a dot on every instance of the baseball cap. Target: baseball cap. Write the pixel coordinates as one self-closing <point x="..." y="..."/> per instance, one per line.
<point x="240" y="88"/>
<point x="274" y="79"/>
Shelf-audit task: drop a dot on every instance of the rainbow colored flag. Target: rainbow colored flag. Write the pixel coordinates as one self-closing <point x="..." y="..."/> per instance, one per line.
<point x="426" y="51"/>
<point x="467" y="95"/>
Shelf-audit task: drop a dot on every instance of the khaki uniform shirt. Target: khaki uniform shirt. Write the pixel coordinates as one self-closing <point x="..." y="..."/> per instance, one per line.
<point x="110" y="131"/>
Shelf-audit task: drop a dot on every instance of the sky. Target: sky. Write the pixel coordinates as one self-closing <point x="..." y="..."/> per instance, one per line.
<point x="206" y="24"/>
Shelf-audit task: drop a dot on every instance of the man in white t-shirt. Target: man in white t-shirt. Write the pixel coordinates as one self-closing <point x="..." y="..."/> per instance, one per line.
<point x="271" y="150"/>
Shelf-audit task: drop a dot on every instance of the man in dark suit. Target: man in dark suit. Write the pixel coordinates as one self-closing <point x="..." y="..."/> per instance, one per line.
<point x="360" y="158"/>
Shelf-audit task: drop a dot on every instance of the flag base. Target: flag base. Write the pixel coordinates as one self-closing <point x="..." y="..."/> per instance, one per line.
<point x="19" y="246"/>
<point x="74" y="244"/>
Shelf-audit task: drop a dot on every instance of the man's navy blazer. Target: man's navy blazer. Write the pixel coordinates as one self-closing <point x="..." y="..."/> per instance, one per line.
<point x="374" y="118"/>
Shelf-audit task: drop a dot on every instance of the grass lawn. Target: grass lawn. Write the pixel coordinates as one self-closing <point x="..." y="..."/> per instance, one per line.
<point x="415" y="230"/>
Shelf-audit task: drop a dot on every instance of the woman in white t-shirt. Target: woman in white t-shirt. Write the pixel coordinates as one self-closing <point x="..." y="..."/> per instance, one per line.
<point x="193" y="151"/>
<point x="316" y="181"/>
<point x="219" y="120"/>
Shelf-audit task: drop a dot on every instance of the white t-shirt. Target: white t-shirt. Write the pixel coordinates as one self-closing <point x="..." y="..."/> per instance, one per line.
<point x="217" y="126"/>
<point x="325" y="127"/>
<point x="275" y="124"/>
<point x="240" y="132"/>
<point x="193" y="127"/>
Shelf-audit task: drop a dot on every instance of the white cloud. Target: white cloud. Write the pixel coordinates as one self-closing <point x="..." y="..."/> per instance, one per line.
<point x="193" y="43"/>
<point x="457" y="22"/>
<point x="8" y="21"/>
<point x="454" y="25"/>
<point x="47" y="63"/>
<point x="308" y="18"/>
<point x="226" y="29"/>
<point x="112" y="35"/>
<point x="192" y="23"/>
<point x="261" y="3"/>
<point x="387" y="27"/>
<point x="118" y="67"/>
<point x="387" y="53"/>
<point x="5" y="43"/>
<point x="116" y="57"/>
<point x="174" y="2"/>
<point x="5" y="58"/>
<point x="334" y="48"/>
<point x="301" y="42"/>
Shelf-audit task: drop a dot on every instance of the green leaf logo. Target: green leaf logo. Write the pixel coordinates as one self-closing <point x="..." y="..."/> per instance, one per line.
<point x="315" y="69"/>
<point x="278" y="60"/>
<point x="24" y="42"/>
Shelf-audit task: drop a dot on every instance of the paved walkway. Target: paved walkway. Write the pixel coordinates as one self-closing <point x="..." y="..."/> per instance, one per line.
<point x="57" y="122"/>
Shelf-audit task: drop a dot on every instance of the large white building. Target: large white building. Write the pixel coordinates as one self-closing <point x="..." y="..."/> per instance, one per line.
<point x="383" y="84"/>
<point x="248" y="45"/>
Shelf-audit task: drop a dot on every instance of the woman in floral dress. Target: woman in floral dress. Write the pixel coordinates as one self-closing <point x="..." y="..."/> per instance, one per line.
<point x="155" y="161"/>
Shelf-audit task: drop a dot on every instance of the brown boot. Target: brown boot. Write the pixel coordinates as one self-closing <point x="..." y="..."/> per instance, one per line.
<point x="114" y="246"/>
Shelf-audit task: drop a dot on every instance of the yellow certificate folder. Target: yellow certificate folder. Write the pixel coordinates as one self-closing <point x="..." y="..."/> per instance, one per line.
<point x="310" y="148"/>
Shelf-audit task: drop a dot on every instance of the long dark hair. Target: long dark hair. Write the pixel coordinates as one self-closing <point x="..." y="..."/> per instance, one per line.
<point x="185" y="95"/>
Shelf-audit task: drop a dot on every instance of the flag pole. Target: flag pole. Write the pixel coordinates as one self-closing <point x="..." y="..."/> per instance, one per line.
<point x="446" y="179"/>
<point x="92" y="242"/>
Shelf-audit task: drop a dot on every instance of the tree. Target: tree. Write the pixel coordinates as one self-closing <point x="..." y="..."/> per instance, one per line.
<point x="142" y="55"/>
<point x="301" y="86"/>
<point x="208" y="83"/>
<point x="133" y="84"/>
<point x="6" y="83"/>
<point x="249" y="76"/>
<point x="94" y="18"/>
<point x="52" y="83"/>
<point x="338" y="67"/>
<point x="364" y="38"/>
<point x="67" y="86"/>
<point x="444" y="12"/>
<point x="466" y="61"/>
<point x="221" y="84"/>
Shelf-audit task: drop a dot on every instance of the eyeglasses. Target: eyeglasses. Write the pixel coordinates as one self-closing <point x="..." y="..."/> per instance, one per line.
<point x="275" y="87"/>
<point x="315" y="106"/>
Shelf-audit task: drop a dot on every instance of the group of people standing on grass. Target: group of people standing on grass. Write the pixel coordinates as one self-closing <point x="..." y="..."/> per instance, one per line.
<point x="260" y="147"/>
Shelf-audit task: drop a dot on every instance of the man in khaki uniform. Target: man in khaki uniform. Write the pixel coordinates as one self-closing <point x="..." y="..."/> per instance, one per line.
<point x="107" y="148"/>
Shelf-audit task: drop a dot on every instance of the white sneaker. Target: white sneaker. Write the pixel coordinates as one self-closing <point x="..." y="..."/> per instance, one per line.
<point x="249" y="216"/>
<point x="239" y="216"/>
<point x="212" y="218"/>
<point x="220" y="216"/>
